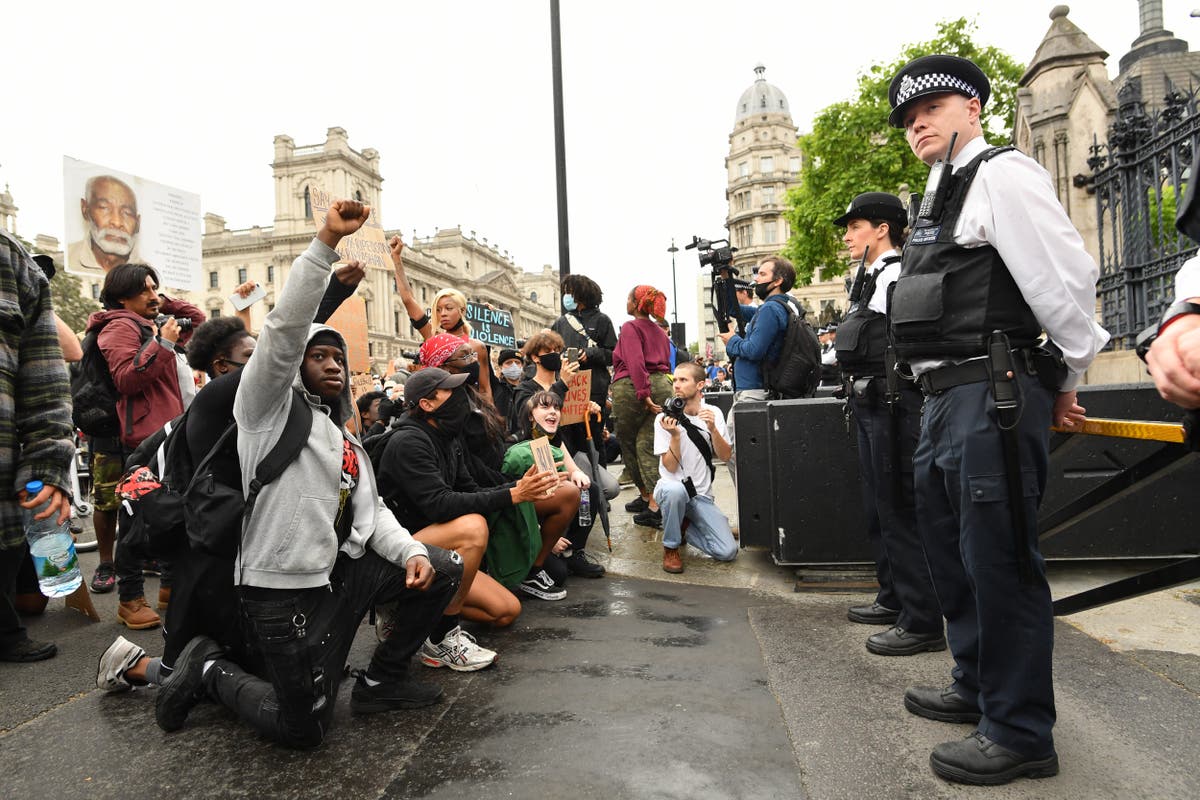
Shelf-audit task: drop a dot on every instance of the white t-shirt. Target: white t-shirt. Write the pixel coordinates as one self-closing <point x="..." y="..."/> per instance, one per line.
<point x="691" y="462"/>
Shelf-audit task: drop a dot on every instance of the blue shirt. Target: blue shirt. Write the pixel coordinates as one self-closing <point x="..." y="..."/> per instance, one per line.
<point x="764" y="337"/>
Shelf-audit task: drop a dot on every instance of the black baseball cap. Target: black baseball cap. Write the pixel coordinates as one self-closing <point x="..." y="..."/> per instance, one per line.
<point x="425" y="382"/>
<point x="875" y="205"/>
<point x="935" y="75"/>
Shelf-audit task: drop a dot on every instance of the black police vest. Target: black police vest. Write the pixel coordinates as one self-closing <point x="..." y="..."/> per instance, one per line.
<point x="862" y="337"/>
<point x="948" y="298"/>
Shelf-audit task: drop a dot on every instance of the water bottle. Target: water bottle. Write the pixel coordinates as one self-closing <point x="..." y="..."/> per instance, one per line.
<point x="52" y="547"/>
<point x="585" y="508"/>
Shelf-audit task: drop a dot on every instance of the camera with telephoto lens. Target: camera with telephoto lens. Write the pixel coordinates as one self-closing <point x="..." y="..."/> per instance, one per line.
<point x="184" y="323"/>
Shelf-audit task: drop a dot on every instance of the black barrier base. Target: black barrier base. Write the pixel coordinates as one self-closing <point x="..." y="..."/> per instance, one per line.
<point x="799" y="490"/>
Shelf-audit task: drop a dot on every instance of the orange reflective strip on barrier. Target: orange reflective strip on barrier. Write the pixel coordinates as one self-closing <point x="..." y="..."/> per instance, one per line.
<point x="1129" y="429"/>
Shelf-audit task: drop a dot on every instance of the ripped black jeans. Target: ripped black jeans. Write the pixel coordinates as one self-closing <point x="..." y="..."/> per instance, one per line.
<point x="303" y="638"/>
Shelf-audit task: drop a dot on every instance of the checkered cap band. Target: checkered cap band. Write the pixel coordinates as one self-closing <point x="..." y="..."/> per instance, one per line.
<point x="932" y="82"/>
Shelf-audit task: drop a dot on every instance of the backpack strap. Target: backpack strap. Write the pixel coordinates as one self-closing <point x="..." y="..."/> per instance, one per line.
<point x="295" y="435"/>
<point x="577" y="325"/>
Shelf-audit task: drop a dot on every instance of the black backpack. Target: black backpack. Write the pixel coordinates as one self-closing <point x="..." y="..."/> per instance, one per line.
<point x="797" y="371"/>
<point x="94" y="397"/>
<point x="192" y="504"/>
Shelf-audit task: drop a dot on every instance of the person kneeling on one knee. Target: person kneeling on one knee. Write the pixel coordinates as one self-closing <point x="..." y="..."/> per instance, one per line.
<point x="685" y="442"/>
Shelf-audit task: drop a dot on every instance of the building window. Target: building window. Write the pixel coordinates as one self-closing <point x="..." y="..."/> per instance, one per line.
<point x="769" y="232"/>
<point x="307" y="204"/>
<point x="242" y="277"/>
<point x="768" y="195"/>
<point x="743" y="169"/>
<point x="367" y="310"/>
<point x="214" y="280"/>
<point x="270" y="273"/>
<point x="95" y="291"/>
<point x="533" y="297"/>
<point x="766" y="164"/>
<point x="794" y="164"/>
<point x="216" y="312"/>
<point x="358" y="195"/>
<point x="396" y="321"/>
<point x="370" y="345"/>
<point x="424" y="295"/>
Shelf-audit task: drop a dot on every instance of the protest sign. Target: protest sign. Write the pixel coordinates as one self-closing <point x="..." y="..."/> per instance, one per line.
<point x="115" y="218"/>
<point x="492" y="326"/>
<point x="350" y="320"/>
<point x="543" y="456"/>
<point x="359" y="385"/>
<point x="578" y="399"/>
<point x="367" y="244"/>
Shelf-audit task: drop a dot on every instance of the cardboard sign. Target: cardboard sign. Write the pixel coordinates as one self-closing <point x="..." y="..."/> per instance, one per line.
<point x="543" y="456"/>
<point x="367" y="244"/>
<point x="492" y="326"/>
<point x="350" y="320"/>
<point x="579" y="398"/>
<point x="359" y="385"/>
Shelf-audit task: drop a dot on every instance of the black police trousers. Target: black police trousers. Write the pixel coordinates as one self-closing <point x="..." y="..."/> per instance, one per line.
<point x="1000" y="631"/>
<point x="900" y="565"/>
<point x="303" y="637"/>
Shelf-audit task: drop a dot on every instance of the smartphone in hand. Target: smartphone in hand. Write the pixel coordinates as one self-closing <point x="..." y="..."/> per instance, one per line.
<point x="242" y="303"/>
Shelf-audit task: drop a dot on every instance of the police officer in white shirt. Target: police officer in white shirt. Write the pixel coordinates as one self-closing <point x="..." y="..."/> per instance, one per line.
<point x="1174" y="357"/>
<point x="991" y="251"/>
<point x="685" y="443"/>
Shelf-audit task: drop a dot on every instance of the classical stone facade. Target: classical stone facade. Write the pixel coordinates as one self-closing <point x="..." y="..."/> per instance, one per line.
<point x="448" y="258"/>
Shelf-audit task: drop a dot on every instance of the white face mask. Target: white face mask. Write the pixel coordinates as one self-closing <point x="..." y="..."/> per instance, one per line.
<point x="512" y="371"/>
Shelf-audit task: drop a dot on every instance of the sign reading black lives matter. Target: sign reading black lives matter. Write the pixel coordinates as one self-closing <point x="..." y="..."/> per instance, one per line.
<point x="491" y="325"/>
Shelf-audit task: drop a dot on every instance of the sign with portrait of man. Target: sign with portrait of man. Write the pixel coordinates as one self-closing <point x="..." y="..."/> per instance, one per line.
<point x="115" y="218"/>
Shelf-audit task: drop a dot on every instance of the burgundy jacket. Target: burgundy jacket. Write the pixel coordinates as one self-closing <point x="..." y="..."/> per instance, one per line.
<point x="146" y="375"/>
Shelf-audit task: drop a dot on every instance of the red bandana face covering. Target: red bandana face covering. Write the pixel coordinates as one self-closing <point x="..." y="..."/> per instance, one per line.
<point x="436" y="350"/>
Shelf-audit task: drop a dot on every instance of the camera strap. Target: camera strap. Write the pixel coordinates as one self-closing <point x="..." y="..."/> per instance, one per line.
<point x="701" y="444"/>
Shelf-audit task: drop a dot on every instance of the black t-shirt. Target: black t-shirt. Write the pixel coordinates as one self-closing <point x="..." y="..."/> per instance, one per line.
<point x="210" y="414"/>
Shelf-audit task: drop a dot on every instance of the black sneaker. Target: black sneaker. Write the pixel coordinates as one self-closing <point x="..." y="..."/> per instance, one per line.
<point x="651" y="519"/>
<point x="585" y="566"/>
<point x="539" y="584"/>
<point x="391" y="695"/>
<point x="637" y="505"/>
<point x="185" y="688"/>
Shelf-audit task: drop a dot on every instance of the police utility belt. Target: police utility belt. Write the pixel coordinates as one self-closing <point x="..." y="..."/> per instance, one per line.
<point x="1048" y="367"/>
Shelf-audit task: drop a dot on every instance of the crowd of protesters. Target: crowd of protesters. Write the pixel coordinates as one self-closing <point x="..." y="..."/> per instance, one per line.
<point x="420" y="502"/>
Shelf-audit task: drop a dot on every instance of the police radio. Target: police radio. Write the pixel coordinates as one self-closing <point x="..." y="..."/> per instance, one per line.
<point x="859" y="278"/>
<point x="937" y="185"/>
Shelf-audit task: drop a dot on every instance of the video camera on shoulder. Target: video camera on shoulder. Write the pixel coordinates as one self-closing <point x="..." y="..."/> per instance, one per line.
<point x="718" y="254"/>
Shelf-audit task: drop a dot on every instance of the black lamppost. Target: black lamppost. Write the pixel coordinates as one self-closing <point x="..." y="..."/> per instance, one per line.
<point x="674" y="289"/>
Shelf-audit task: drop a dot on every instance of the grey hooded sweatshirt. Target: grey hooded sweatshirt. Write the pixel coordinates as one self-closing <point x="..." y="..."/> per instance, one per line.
<point x="291" y="542"/>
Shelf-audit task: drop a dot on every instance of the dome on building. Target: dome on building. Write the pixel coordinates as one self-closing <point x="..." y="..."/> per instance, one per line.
<point x="761" y="98"/>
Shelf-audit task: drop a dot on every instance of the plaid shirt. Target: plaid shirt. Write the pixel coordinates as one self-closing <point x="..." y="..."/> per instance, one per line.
<point x="35" y="397"/>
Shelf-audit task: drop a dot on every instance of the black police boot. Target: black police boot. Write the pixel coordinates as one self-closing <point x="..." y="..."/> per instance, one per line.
<point x="896" y="641"/>
<point x="944" y="705"/>
<point x="979" y="760"/>
<point x="873" y="614"/>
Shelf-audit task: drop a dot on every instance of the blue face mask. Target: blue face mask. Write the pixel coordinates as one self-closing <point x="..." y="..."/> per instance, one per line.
<point x="568" y="302"/>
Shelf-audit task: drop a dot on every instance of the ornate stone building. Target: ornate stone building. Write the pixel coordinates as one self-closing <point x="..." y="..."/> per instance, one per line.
<point x="481" y="271"/>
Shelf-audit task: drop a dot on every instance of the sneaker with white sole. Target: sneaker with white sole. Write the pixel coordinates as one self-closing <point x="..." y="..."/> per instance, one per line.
<point x="542" y="586"/>
<point x="458" y="651"/>
<point x="118" y="659"/>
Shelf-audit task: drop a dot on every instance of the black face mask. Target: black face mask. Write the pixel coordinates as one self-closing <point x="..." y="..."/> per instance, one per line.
<point x="451" y="416"/>
<point x="473" y="373"/>
<point x="551" y="361"/>
<point x="762" y="290"/>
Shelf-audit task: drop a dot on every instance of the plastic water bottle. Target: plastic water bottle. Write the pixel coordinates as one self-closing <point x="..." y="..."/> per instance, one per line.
<point x="585" y="508"/>
<point x="52" y="547"/>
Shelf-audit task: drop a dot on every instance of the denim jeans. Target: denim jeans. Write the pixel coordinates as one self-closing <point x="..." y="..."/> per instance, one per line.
<point x="709" y="532"/>
<point x="303" y="637"/>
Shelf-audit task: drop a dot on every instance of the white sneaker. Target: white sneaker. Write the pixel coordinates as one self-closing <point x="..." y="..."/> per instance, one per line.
<point x="458" y="651"/>
<point x="542" y="586"/>
<point x="120" y="656"/>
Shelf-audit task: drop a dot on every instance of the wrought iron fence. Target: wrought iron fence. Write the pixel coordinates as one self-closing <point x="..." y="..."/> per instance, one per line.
<point x="1138" y="177"/>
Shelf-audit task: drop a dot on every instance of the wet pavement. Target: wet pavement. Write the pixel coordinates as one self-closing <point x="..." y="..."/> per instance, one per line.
<point x="719" y="683"/>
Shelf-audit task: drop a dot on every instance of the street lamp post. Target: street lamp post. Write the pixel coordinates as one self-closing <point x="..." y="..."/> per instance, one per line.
<point x="674" y="288"/>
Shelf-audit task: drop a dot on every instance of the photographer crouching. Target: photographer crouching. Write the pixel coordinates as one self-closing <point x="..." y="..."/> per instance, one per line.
<point x="687" y="433"/>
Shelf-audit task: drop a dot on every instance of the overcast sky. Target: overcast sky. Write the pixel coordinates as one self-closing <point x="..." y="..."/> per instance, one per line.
<point x="456" y="96"/>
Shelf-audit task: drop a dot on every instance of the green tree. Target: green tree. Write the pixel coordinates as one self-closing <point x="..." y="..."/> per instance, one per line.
<point x="852" y="149"/>
<point x="70" y="303"/>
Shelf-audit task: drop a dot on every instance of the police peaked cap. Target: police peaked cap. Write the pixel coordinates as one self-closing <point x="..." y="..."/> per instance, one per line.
<point x="935" y="75"/>
<point x="875" y="205"/>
